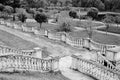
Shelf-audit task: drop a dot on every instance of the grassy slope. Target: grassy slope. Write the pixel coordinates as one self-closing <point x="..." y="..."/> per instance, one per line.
<point x="32" y="76"/>
<point x="111" y="29"/>
<point x="15" y="42"/>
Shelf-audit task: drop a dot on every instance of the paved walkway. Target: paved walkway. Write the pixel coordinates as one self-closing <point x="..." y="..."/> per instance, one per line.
<point x="65" y="64"/>
<point x="54" y="48"/>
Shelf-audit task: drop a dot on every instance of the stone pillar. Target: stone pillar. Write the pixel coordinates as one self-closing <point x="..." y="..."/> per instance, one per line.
<point x="38" y="52"/>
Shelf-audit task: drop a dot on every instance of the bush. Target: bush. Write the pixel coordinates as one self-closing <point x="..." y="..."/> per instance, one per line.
<point x="22" y="17"/>
<point x="73" y="14"/>
<point x="1" y="7"/>
<point x="93" y="13"/>
<point x="65" y="27"/>
<point x="83" y="17"/>
<point x="4" y="15"/>
<point x="40" y="9"/>
<point x="8" y="9"/>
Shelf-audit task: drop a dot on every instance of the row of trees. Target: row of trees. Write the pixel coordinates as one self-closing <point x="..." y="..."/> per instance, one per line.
<point x="110" y="5"/>
<point x="92" y="13"/>
<point x="100" y="4"/>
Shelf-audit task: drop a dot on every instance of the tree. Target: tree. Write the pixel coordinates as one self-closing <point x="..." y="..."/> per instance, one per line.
<point x="73" y="14"/>
<point x="117" y="20"/>
<point x="22" y="17"/>
<point x="108" y="21"/>
<point x="54" y="2"/>
<point x="40" y="9"/>
<point x="1" y="7"/>
<point x="8" y="9"/>
<point x="40" y="18"/>
<point x="93" y="13"/>
<point x="89" y="30"/>
<point x="65" y="26"/>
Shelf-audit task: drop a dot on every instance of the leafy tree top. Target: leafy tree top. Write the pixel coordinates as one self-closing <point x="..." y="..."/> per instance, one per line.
<point x="92" y="12"/>
<point x="40" y="17"/>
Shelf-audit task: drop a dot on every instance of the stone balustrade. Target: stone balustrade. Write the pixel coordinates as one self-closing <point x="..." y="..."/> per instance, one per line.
<point x="75" y="42"/>
<point x="102" y="46"/>
<point x="4" y="50"/>
<point x="55" y="36"/>
<point x="61" y="37"/>
<point x="92" y="68"/>
<point x="11" y="63"/>
<point x="103" y="61"/>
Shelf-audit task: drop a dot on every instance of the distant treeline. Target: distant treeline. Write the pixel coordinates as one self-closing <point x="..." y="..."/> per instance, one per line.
<point x="103" y="5"/>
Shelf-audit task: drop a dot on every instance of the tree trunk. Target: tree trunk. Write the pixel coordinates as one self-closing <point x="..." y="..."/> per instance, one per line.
<point x="40" y="25"/>
<point x="14" y="14"/>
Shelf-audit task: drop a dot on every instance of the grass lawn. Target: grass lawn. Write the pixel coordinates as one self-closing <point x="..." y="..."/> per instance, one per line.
<point x="32" y="76"/>
<point x="98" y="37"/>
<point x="44" y="25"/>
<point x="111" y="29"/>
<point x="13" y="41"/>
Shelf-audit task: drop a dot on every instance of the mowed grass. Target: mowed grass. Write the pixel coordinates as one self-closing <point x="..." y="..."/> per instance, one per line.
<point x="13" y="41"/>
<point x="98" y="37"/>
<point x="33" y="76"/>
<point x="112" y="29"/>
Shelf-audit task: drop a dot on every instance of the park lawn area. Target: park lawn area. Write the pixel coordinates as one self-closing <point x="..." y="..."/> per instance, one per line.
<point x="98" y="37"/>
<point x="111" y="29"/>
<point x="32" y="76"/>
<point x="13" y="41"/>
<point x="44" y="25"/>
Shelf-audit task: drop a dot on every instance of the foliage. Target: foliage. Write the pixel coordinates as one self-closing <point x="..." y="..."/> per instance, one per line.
<point x="36" y="4"/>
<point x="117" y="19"/>
<point x="110" y="5"/>
<point x="73" y="14"/>
<point x="93" y="13"/>
<point x="22" y="17"/>
<point x="8" y="9"/>
<point x="40" y="9"/>
<point x="1" y="7"/>
<point x="40" y="18"/>
<point x="4" y="15"/>
<point x="108" y="20"/>
<point x="65" y="26"/>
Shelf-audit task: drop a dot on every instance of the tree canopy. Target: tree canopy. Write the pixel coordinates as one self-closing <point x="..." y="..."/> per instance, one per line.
<point x="40" y="18"/>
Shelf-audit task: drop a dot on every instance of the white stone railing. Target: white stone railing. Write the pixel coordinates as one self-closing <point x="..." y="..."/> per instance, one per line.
<point x="103" y="61"/>
<point x="62" y="37"/>
<point x="92" y="68"/>
<point x="11" y="63"/>
<point x="102" y="46"/>
<point x="74" y="42"/>
<point x="5" y="50"/>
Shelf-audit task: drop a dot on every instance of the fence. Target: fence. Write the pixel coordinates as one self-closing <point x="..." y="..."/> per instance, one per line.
<point x="4" y="50"/>
<point x="91" y="68"/>
<point x="61" y="37"/>
<point x="12" y="63"/>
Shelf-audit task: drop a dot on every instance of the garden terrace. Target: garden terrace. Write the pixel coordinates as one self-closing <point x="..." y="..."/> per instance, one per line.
<point x="98" y="37"/>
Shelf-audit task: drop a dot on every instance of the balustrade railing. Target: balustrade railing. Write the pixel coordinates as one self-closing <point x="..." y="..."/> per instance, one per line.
<point x="92" y="68"/>
<point x="4" y="50"/>
<point x="26" y="63"/>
